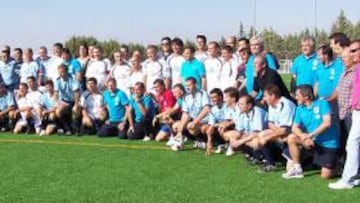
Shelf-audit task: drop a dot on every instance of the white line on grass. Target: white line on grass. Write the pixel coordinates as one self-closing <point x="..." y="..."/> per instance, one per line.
<point x="82" y="144"/>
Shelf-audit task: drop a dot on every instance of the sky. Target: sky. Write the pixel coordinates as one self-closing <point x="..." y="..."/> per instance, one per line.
<point x="42" y="22"/>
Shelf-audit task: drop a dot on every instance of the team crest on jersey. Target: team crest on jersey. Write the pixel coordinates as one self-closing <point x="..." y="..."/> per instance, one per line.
<point x="117" y="101"/>
<point x="316" y="111"/>
<point x="315" y="64"/>
<point x="332" y="74"/>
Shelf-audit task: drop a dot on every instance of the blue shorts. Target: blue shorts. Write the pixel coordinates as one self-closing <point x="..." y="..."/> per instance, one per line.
<point x="165" y="128"/>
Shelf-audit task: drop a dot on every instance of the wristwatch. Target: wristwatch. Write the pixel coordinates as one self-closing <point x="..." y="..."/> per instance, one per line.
<point x="312" y="136"/>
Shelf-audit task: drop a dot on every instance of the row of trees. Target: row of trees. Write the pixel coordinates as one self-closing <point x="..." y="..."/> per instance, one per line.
<point x="283" y="46"/>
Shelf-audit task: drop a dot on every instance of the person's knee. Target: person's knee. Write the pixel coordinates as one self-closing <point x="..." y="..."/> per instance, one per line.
<point x="27" y="114"/>
<point x="17" y="129"/>
<point x="52" y="116"/>
<point x="49" y="130"/>
<point x="60" y="112"/>
<point x="87" y="123"/>
<point x="227" y="136"/>
<point x="11" y="114"/>
<point x="160" y="136"/>
<point x="194" y="131"/>
<point x="136" y="135"/>
<point x="102" y="133"/>
<point x="292" y="139"/>
<point x="102" y="114"/>
<point x="254" y="143"/>
<point x="122" y="134"/>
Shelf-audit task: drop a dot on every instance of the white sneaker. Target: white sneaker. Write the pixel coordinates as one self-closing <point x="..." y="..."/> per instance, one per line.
<point x="170" y="141"/>
<point x="147" y="138"/>
<point x="196" y="144"/>
<point x="37" y="130"/>
<point x="42" y="133"/>
<point x="294" y="172"/>
<point x="60" y="131"/>
<point x="340" y="185"/>
<point x="229" y="151"/>
<point x="202" y="145"/>
<point x="220" y="148"/>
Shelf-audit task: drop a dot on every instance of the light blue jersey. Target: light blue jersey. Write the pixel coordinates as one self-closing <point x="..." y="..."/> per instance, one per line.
<point x="6" y="101"/>
<point x="194" y="103"/>
<point x="311" y="117"/>
<point x="193" y="68"/>
<point x="327" y="78"/>
<point x="304" y="68"/>
<point x="231" y="113"/>
<point x="8" y="73"/>
<point x="116" y="103"/>
<point x="48" y="101"/>
<point x="74" y="67"/>
<point x="217" y="114"/>
<point x="282" y="115"/>
<point x="148" y="103"/>
<point x="66" y="88"/>
<point x="254" y="121"/>
<point x="29" y="69"/>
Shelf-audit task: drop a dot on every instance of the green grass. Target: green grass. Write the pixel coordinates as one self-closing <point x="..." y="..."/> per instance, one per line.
<point x="89" y="169"/>
<point x="287" y="79"/>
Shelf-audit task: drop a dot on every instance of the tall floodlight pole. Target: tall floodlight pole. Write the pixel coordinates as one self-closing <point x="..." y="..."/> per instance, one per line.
<point x="315" y="18"/>
<point x="254" y="20"/>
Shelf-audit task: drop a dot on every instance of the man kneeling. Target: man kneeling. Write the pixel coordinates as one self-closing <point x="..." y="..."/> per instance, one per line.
<point x="93" y="111"/>
<point x="117" y="105"/>
<point x="249" y="123"/>
<point x="312" y="130"/>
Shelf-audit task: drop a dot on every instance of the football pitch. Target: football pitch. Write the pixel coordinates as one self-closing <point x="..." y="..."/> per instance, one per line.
<point x="90" y="169"/>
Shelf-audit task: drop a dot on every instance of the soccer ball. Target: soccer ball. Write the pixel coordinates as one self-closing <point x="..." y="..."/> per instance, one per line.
<point x="178" y="143"/>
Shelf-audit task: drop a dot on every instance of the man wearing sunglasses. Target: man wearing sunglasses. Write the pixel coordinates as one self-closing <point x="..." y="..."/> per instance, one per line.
<point x="349" y="177"/>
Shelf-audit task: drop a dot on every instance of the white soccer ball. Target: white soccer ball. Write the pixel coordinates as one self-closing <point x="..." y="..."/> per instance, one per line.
<point x="175" y="147"/>
<point x="178" y="144"/>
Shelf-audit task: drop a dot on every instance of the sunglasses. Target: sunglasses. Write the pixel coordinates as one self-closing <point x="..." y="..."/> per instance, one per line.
<point x="354" y="50"/>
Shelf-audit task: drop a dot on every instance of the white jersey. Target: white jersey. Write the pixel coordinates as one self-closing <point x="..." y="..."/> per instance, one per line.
<point x="35" y="98"/>
<point x="44" y="63"/>
<point x="237" y="58"/>
<point x="29" y="69"/>
<point x="21" y="103"/>
<point x="83" y="62"/>
<point x="201" y="56"/>
<point x="91" y="102"/>
<point x="213" y="69"/>
<point x="98" y="70"/>
<point x="121" y="73"/>
<point x="54" y="63"/>
<point x="175" y="63"/>
<point x="228" y="74"/>
<point x="153" y="70"/>
<point x="136" y="76"/>
<point x="108" y="64"/>
<point x="27" y="102"/>
<point x="166" y="68"/>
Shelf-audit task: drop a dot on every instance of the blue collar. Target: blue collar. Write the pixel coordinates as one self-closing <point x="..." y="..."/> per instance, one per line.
<point x="313" y="55"/>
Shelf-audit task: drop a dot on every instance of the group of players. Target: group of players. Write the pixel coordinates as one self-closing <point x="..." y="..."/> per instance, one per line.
<point x="230" y="97"/>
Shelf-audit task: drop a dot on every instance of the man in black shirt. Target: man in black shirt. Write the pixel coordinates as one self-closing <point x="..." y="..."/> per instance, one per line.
<point x="265" y="76"/>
